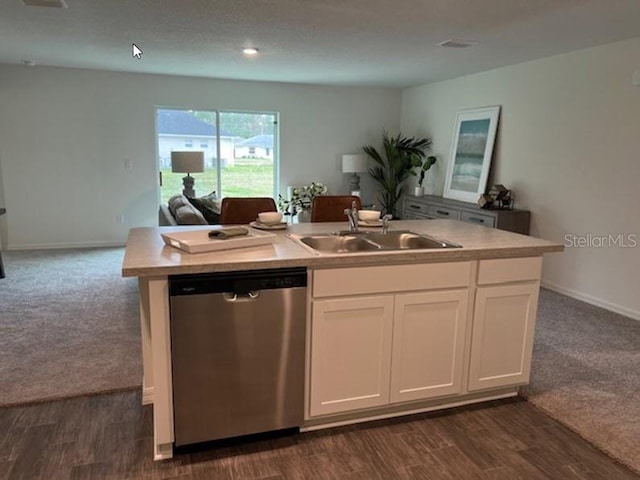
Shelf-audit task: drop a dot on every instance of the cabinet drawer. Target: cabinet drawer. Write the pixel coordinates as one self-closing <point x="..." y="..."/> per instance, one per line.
<point x="416" y="216"/>
<point x="478" y="218"/>
<point x="437" y="211"/>
<point x="505" y="270"/>
<point x="415" y="207"/>
<point x="337" y="282"/>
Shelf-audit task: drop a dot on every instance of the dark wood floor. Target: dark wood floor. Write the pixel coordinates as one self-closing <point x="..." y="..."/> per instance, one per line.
<point x="110" y="436"/>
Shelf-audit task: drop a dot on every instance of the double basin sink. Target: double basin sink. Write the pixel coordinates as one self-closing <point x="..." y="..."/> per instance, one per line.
<point x="353" y="242"/>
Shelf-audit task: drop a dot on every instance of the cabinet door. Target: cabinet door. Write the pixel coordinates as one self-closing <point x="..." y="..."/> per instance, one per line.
<point x="350" y="353"/>
<point x="428" y="344"/>
<point x="502" y="337"/>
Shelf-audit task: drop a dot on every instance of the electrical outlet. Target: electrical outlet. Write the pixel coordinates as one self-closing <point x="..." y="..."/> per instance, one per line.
<point x="127" y="164"/>
<point x="636" y="78"/>
<point x="120" y="218"/>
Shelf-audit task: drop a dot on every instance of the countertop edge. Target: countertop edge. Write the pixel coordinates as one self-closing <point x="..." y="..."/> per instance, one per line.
<point x="348" y="260"/>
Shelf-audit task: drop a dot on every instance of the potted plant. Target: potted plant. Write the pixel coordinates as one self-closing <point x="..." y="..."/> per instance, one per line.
<point x="301" y="200"/>
<point x="423" y="167"/>
<point x="396" y="163"/>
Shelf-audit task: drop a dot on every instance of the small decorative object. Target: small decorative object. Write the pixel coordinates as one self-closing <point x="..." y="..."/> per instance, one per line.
<point x="270" y="217"/>
<point x="400" y="155"/>
<point x="187" y="162"/>
<point x="354" y="164"/>
<point x="300" y="201"/>
<point x="471" y="152"/>
<point x="369" y="215"/>
<point x="506" y="202"/>
<point x="501" y="197"/>
<point x="485" y="201"/>
<point x="497" y="192"/>
<point x="423" y="167"/>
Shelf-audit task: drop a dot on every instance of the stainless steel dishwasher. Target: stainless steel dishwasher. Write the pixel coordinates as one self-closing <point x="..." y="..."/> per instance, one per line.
<point x="237" y="352"/>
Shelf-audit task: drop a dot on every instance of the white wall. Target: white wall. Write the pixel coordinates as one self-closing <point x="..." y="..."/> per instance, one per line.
<point x="65" y="135"/>
<point x="568" y="145"/>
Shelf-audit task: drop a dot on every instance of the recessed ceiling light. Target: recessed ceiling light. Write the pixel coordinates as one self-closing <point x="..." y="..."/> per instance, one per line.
<point x="250" y="51"/>
<point x="457" y="43"/>
<point x="45" y="3"/>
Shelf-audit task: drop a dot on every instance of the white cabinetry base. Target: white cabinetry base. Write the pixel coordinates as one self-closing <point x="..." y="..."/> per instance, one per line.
<point x="404" y="409"/>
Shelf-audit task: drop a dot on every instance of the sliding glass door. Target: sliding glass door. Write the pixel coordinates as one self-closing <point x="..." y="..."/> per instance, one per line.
<point x="240" y="151"/>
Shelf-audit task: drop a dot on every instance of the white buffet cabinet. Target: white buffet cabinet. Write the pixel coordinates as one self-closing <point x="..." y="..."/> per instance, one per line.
<point x="384" y="340"/>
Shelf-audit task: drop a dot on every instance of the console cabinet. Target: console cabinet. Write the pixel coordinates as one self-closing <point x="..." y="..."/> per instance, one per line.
<point x="431" y="206"/>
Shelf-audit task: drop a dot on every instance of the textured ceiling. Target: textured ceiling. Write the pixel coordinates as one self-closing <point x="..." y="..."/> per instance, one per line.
<point x="340" y="42"/>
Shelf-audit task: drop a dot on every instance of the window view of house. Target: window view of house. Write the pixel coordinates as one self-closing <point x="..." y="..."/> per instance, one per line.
<point x="243" y="166"/>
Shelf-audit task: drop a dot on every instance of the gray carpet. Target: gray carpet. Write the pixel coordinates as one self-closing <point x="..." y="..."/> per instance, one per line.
<point x="586" y="373"/>
<point x="68" y="325"/>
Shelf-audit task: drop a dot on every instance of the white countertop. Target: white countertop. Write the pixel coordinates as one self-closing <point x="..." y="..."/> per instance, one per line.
<point x="147" y="255"/>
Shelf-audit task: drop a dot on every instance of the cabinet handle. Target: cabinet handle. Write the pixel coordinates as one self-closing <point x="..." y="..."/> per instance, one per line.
<point x="415" y="207"/>
<point x="442" y="212"/>
<point x="476" y="219"/>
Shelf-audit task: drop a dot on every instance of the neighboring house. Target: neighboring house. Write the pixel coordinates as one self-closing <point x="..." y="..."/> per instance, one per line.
<point x="260" y="146"/>
<point x="180" y="131"/>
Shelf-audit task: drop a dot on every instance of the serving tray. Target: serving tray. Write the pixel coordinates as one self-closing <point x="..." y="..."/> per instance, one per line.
<point x="198" y="241"/>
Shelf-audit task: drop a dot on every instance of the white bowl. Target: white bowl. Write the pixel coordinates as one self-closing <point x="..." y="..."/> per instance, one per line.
<point x="368" y="215"/>
<point x="270" y="218"/>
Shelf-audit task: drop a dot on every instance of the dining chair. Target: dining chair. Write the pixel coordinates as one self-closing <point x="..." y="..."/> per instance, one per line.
<point x="330" y="208"/>
<point x="242" y="210"/>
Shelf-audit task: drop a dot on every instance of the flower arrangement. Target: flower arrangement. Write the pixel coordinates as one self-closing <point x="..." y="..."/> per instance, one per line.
<point x="301" y="198"/>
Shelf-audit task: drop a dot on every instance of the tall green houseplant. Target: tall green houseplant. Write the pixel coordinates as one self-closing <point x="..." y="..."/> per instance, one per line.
<point x="399" y="157"/>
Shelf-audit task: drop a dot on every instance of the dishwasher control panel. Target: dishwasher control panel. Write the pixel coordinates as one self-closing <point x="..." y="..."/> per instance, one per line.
<point x="238" y="282"/>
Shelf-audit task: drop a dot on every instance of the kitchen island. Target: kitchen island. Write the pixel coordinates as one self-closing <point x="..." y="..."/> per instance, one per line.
<point x="388" y="332"/>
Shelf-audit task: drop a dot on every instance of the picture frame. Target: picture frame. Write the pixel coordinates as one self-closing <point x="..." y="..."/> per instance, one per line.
<point x="471" y="152"/>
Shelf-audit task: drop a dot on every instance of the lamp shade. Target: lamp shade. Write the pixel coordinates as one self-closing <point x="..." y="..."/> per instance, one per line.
<point x="187" y="162"/>
<point x="354" y="163"/>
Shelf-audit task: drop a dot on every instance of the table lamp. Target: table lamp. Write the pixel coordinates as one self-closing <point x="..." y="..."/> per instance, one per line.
<point x="187" y="162"/>
<point x="354" y="164"/>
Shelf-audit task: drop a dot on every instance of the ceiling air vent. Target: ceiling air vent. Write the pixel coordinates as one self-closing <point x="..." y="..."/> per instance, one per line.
<point x="457" y="43"/>
<point x="45" y="3"/>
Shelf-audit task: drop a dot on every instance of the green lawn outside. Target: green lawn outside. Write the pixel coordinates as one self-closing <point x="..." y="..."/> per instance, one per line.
<point x="247" y="178"/>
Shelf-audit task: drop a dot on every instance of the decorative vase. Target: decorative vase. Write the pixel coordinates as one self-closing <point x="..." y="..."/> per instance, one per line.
<point x="304" y="215"/>
<point x="418" y="191"/>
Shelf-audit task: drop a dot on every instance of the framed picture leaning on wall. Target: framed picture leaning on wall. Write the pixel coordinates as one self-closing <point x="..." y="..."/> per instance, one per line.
<point x="471" y="152"/>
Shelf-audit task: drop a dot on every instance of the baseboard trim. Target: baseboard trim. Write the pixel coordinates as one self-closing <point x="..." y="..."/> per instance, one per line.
<point x="147" y="395"/>
<point x="339" y="420"/>
<point x="57" y="246"/>
<point x="598" y="302"/>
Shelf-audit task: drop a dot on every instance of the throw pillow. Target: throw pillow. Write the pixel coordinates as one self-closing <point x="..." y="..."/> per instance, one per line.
<point x="176" y="202"/>
<point x="207" y="207"/>
<point x="189" y="215"/>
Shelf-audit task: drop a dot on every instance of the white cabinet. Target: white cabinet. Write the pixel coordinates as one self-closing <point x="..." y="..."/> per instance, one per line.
<point x="350" y="353"/>
<point x="370" y="351"/>
<point x="387" y="335"/>
<point x="428" y="344"/>
<point x="502" y="337"/>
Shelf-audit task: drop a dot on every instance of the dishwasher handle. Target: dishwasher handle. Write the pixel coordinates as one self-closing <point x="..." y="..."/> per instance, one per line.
<point x="234" y="297"/>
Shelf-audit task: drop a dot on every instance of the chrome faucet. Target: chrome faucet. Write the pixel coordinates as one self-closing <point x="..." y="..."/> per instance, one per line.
<point x="385" y="223"/>
<point x="352" y="217"/>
